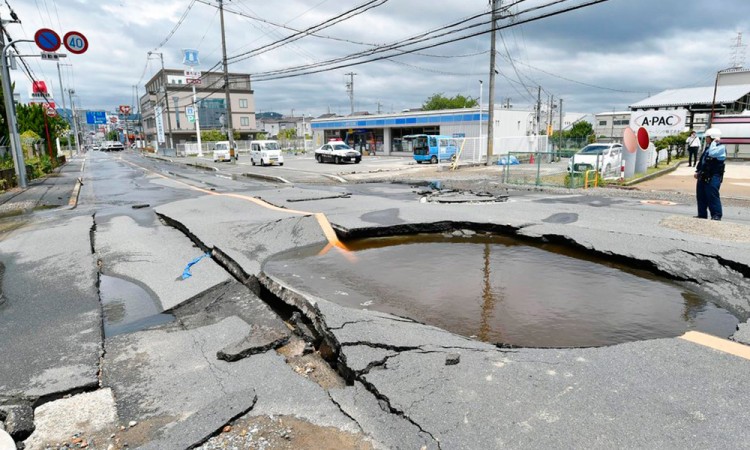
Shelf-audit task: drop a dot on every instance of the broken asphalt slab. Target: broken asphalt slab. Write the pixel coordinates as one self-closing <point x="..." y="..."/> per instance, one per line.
<point x="155" y="255"/>
<point x="666" y="392"/>
<point x="171" y="374"/>
<point x="243" y="230"/>
<point x="50" y="322"/>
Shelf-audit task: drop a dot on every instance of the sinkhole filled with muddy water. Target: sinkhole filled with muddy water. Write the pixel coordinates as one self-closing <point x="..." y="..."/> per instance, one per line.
<point x="501" y="290"/>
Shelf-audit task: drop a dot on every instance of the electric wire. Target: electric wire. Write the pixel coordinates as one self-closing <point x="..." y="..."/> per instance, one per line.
<point x="343" y="62"/>
<point x="177" y="25"/>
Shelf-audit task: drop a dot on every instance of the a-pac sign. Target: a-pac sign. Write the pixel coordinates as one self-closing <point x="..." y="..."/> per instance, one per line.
<point x="659" y="123"/>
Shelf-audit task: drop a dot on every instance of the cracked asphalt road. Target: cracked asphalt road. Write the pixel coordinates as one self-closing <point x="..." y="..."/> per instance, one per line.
<point x="402" y="384"/>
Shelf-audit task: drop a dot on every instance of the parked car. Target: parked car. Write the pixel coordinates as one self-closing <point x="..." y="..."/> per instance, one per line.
<point x="603" y="157"/>
<point x="221" y="152"/>
<point x="337" y="152"/>
<point x="265" y="152"/>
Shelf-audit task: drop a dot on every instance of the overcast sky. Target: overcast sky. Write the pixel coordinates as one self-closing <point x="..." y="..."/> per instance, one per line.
<point x="597" y="58"/>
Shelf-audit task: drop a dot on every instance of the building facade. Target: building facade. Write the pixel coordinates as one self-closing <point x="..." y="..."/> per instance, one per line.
<point x="611" y="125"/>
<point x="210" y="105"/>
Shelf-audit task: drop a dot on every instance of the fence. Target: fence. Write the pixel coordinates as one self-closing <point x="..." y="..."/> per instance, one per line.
<point x="473" y="151"/>
<point x="550" y="168"/>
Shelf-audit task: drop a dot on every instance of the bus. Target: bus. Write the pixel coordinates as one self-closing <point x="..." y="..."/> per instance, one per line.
<point x="430" y="148"/>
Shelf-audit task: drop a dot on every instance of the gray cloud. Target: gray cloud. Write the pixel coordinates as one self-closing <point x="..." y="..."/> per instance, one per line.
<point x="598" y="58"/>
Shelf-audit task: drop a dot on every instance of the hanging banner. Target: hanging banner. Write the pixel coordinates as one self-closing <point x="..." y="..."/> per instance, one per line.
<point x="159" y="125"/>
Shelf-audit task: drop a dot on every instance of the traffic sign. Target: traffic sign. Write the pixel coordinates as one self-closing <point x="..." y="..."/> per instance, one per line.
<point x="113" y="119"/>
<point x="47" y="39"/>
<point x="75" y="42"/>
<point x="49" y="56"/>
<point x="51" y="112"/>
<point x="192" y="81"/>
<point x="96" y="117"/>
<point x="190" y="110"/>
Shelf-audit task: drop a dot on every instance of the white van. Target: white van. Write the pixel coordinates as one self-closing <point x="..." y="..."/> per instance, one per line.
<point x="221" y="152"/>
<point x="265" y="152"/>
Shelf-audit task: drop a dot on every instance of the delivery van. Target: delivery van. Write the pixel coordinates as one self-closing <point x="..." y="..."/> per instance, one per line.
<point x="265" y="153"/>
<point x="221" y="152"/>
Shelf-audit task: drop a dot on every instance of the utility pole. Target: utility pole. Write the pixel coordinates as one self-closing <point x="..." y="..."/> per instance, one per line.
<point x="230" y="134"/>
<point x="350" y="90"/>
<point x="62" y="94"/>
<point x="491" y="106"/>
<point x="538" y="110"/>
<point x="559" y="146"/>
<point x="197" y="123"/>
<point x="380" y="107"/>
<point x="75" y="122"/>
<point x="10" y="109"/>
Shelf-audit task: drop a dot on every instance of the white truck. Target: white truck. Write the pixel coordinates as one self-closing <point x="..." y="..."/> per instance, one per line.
<point x="265" y="153"/>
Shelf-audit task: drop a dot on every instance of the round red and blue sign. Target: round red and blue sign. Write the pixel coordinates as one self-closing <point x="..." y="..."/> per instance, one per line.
<point x="47" y="40"/>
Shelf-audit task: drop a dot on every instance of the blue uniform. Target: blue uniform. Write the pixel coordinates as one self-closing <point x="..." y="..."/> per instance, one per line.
<point x="710" y="172"/>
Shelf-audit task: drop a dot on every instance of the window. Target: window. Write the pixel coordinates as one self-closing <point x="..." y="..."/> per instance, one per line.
<point x="245" y="121"/>
<point x="622" y="122"/>
<point x="243" y="103"/>
<point x="602" y="123"/>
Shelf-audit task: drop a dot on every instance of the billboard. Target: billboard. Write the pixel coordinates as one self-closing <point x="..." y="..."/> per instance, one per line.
<point x="159" y="125"/>
<point x="659" y="123"/>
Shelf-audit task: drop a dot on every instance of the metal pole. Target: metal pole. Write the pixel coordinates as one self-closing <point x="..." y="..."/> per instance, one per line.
<point x="166" y="101"/>
<point x="536" y="136"/>
<point x="197" y="123"/>
<point x="10" y="111"/>
<point x="351" y="91"/>
<point x="559" y="147"/>
<point x="75" y="122"/>
<point x="230" y="134"/>
<point x="491" y="105"/>
<point x="713" y="101"/>
<point x="62" y="92"/>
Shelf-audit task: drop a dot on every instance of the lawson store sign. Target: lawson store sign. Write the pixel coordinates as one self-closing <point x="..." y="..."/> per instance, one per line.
<point x="659" y="123"/>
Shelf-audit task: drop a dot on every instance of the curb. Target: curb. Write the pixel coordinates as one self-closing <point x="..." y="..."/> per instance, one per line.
<point x="73" y="202"/>
<point x="266" y="177"/>
<point x="654" y="175"/>
<point x="201" y="166"/>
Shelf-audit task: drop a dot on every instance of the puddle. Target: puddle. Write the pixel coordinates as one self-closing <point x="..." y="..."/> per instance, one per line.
<point x="128" y="307"/>
<point x="497" y="289"/>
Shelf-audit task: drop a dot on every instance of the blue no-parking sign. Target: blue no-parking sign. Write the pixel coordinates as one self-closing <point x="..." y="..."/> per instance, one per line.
<point x="47" y="39"/>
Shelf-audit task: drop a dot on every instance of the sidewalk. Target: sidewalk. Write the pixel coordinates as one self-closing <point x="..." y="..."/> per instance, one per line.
<point x="59" y="188"/>
<point x="736" y="181"/>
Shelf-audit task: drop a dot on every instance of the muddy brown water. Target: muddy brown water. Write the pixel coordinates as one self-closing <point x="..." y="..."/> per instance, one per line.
<point x="499" y="290"/>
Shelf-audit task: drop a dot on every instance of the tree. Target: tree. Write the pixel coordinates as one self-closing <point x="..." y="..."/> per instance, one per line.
<point x="113" y="136"/>
<point x="289" y="133"/>
<point x="439" y="101"/>
<point x="34" y="117"/>
<point x="581" y="129"/>
<point x="217" y="135"/>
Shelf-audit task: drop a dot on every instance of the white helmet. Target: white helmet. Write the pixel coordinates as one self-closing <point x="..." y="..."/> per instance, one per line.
<point x="713" y="133"/>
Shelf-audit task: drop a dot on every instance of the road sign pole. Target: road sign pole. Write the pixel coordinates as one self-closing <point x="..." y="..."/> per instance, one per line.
<point x="10" y="112"/>
<point x="197" y="124"/>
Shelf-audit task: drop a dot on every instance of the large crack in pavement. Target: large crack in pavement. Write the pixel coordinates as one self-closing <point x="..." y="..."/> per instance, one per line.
<point x="331" y="348"/>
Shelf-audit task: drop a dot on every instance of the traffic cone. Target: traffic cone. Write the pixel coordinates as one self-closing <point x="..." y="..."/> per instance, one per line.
<point x="531" y="160"/>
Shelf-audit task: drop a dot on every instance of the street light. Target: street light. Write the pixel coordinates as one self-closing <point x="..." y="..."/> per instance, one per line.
<point x="166" y="97"/>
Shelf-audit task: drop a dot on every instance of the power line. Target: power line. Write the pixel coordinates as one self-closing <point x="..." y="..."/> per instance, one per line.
<point x="343" y="62"/>
<point x="177" y="25"/>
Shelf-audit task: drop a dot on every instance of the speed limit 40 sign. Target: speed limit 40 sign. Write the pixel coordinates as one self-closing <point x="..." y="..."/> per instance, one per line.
<point x="75" y="42"/>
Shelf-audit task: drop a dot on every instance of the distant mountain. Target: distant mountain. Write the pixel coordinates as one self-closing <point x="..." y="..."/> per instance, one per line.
<point x="268" y="115"/>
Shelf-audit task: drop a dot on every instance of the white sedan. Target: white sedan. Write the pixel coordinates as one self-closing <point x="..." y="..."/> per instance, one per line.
<point x="337" y="152"/>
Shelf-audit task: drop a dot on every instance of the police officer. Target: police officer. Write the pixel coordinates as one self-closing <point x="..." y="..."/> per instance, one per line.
<point x="710" y="172"/>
